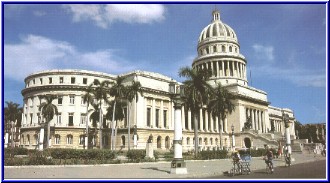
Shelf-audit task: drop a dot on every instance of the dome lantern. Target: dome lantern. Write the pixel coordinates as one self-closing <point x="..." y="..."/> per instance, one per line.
<point x="216" y="15"/>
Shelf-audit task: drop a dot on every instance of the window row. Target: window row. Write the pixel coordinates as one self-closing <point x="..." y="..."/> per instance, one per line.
<point x="60" y="100"/>
<point x="214" y="49"/>
<point x="50" y="80"/>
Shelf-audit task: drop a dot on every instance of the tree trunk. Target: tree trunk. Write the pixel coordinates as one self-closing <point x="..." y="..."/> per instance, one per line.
<point x="101" y="124"/>
<point x="113" y="126"/>
<point x="196" y="133"/>
<point x="48" y="134"/>
<point x="86" y="138"/>
<point x="128" y="128"/>
<point x="220" y="131"/>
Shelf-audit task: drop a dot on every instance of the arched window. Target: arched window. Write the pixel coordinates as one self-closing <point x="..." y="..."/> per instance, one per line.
<point x="167" y="142"/>
<point x="81" y="139"/>
<point x="215" y="49"/>
<point x="188" y="140"/>
<point x="223" y="48"/>
<point x="35" y="139"/>
<point x="28" y="139"/>
<point x="69" y="139"/>
<point x="205" y="141"/>
<point x="23" y="140"/>
<point x="159" y="142"/>
<point x="57" y="139"/>
<point x="216" y="141"/>
<point x="123" y="140"/>
<point x="230" y="49"/>
<point x="200" y="141"/>
<point x="211" y="141"/>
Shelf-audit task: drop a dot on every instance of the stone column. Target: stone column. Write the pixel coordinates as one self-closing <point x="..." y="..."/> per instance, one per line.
<point x="206" y="121"/>
<point x="211" y="123"/>
<point x="223" y="67"/>
<point x="153" y="110"/>
<point x="252" y="119"/>
<point x="226" y="124"/>
<point x="189" y="120"/>
<point x="183" y="118"/>
<point x="216" y="124"/>
<point x="161" y="115"/>
<point x="217" y="68"/>
<point x="201" y="119"/>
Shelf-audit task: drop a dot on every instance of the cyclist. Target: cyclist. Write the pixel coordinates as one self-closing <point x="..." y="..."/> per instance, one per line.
<point x="237" y="160"/>
<point x="269" y="158"/>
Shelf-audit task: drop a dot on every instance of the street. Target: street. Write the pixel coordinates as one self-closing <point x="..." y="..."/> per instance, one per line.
<point x="312" y="170"/>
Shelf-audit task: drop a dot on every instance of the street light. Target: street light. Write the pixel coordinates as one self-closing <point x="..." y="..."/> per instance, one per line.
<point x="287" y="132"/>
<point x="233" y="137"/>
<point x="178" y="166"/>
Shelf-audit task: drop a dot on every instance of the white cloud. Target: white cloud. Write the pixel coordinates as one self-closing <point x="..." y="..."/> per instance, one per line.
<point x="264" y="52"/>
<point x="296" y="75"/>
<point x="104" y="15"/>
<point x="37" y="53"/>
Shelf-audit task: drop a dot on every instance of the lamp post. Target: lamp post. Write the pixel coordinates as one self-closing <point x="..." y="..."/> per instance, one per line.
<point x="178" y="166"/>
<point x="287" y="132"/>
<point x="41" y="136"/>
<point x="233" y="137"/>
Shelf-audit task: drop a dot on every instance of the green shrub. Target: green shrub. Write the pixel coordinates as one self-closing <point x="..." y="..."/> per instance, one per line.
<point x="136" y="155"/>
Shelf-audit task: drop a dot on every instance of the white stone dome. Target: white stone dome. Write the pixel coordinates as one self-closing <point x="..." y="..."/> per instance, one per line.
<point x="217" y="30"/>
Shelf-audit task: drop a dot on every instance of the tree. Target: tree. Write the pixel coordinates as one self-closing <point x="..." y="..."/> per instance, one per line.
<point x="220" y="105"/>
<point x="100" y="93"/>
<point x="118" y="92"/>
<point x="13" y="114"/>
<point x="88" y="98"/>
<point x="132" y="92"/>
<point x="196" y="92"/>
<point x="48" y="110"/>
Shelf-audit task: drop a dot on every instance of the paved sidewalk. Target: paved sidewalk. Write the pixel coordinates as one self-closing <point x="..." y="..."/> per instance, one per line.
<point x="152" y="170"/>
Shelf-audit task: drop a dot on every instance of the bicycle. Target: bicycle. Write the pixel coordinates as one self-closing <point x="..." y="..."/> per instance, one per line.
<point x="236" y="169"/>
<point x="287" y="160"/>
<point x="269" y="166"/>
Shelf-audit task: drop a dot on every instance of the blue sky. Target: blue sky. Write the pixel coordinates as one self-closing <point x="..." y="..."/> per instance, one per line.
<point x="284" y="44"/>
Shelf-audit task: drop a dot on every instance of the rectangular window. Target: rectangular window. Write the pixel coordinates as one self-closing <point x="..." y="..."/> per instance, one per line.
<point x="31" y="117"/>
<point x="83" y="119"/>
<point x="39" y="118"/>
<point x="60" y="100"/>
<point x="157" y="118"/>
<point x="148" y="116"/>
<point x="84" y="81"/>
<point x="71" y="99"/>
<point x="59" y="118"/>
<point x="50" y="80"/>
<point x="70" y="119"/>
<point x="165" y="118"/>
<point x="82" y="101"/>
<point x="61" y="79"/>
<point x="40" y="80"/>
<point x="73" y="80"/>
<point x="34" y="81"/>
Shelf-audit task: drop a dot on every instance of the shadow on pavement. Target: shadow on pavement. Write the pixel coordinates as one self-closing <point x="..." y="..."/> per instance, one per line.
<point x="157" y="169"/>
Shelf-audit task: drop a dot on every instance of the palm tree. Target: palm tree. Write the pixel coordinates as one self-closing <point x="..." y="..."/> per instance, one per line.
<point x="132" y="92"/>
<point x="196" y="92"/>
<point x="88" y="98"/>
<point x="117" y="116"/>
<point x="118" y="92"/>
<point x="48" y="110"/>
<point x="100" y="93"/>
<point x="13" y="114"/>
<point x="221" y="105"/>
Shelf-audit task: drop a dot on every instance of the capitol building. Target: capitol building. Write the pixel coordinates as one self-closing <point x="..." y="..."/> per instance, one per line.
<point x="218" y="50"/>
